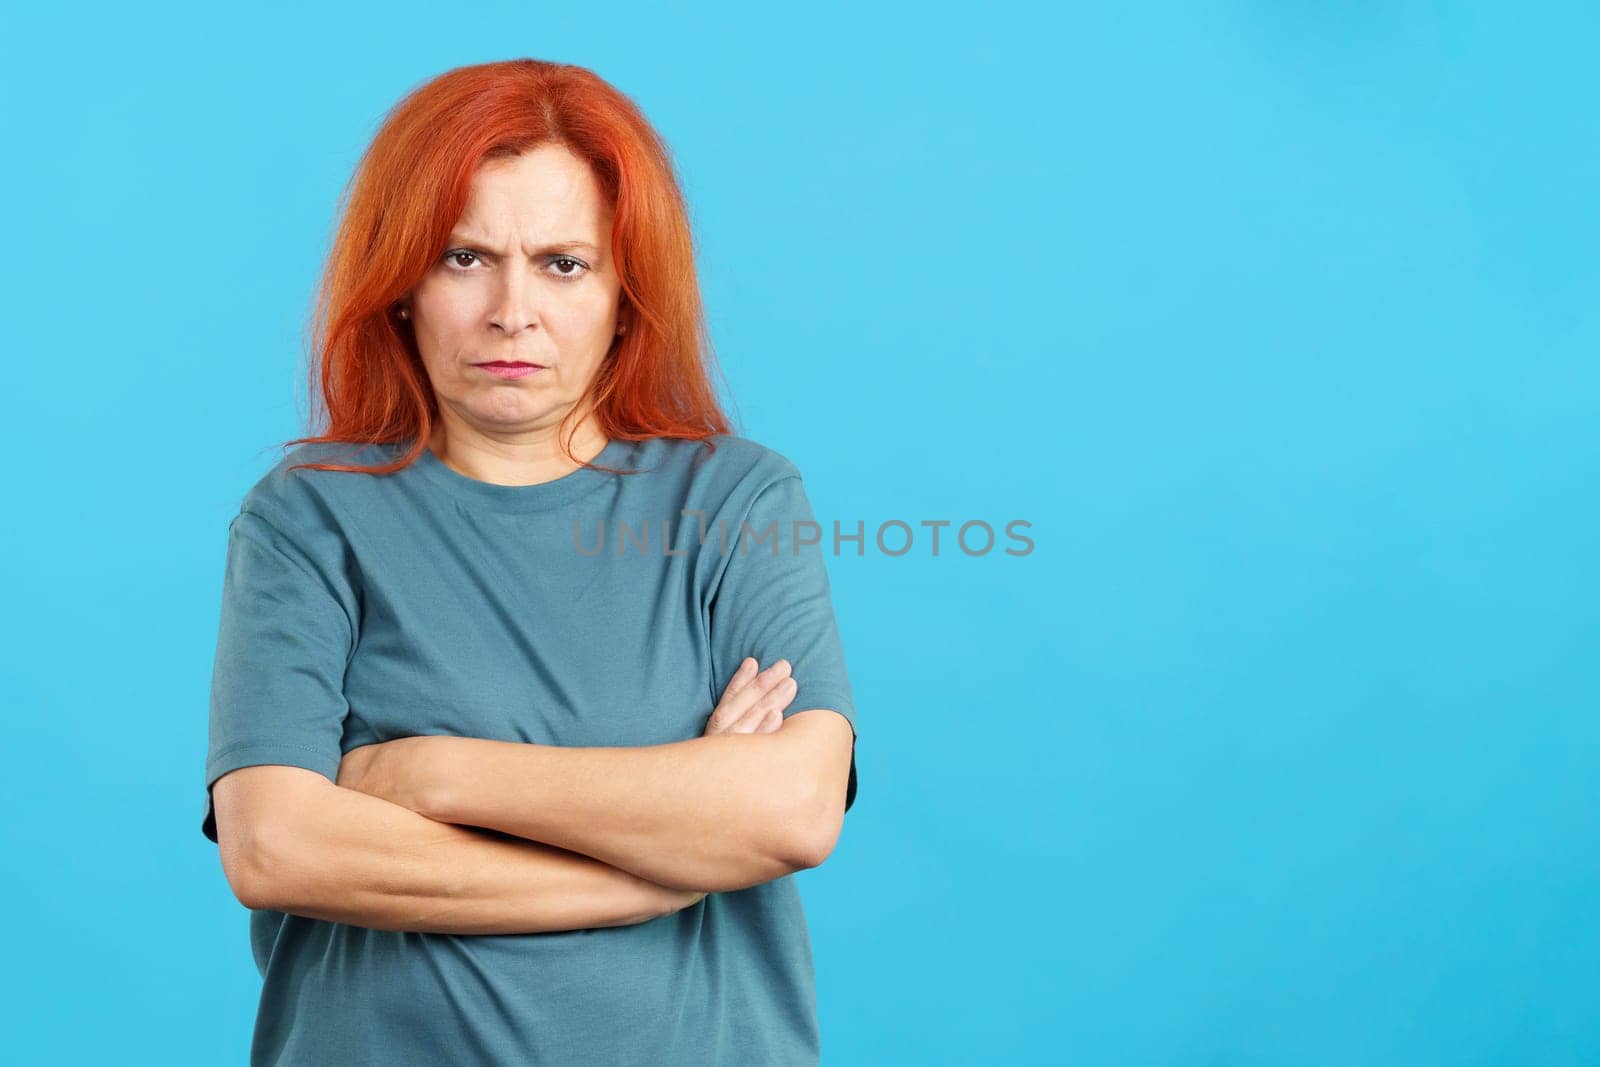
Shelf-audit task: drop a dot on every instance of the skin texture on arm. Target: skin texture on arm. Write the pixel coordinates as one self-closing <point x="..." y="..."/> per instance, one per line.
<point x="292" y="841"/>
<point x="721" y="812"/>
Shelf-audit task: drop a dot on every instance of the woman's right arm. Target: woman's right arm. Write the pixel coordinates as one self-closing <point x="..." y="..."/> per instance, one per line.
<point x="293" y="841"/>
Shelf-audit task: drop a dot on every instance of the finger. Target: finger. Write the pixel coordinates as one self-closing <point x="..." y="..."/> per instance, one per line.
<point x="725" y="714"/>
<point x="748" y="708"/>
<point x="775" y="700"/>
<point x="741" y="677"/>
<point x="768" y="714"/>
<point x="775" y="673"/>
<point x="734" y="715"/>
<point x="760" y="720"/>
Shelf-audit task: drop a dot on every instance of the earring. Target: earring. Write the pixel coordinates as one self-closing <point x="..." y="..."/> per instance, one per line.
<point x="405" y="313"/>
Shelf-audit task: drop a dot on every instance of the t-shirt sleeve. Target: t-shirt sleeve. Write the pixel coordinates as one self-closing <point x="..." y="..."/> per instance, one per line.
<point x="284" y="641"/>
<point x="774" y="602"/>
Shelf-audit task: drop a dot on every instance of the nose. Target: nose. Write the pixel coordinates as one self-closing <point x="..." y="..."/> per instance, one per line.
<point x="516" y="299"/>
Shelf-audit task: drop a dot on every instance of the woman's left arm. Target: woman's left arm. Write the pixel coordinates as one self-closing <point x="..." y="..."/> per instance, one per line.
<point x="717" y="813"/>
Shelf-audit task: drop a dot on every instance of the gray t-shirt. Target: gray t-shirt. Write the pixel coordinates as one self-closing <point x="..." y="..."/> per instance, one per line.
<point x="359" y="608"/>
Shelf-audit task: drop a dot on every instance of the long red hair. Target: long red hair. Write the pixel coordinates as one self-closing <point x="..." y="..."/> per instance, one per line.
<point x="407" y="193"/>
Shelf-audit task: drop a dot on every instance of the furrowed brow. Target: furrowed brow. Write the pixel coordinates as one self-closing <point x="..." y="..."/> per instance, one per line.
<point x="548" y="250"/>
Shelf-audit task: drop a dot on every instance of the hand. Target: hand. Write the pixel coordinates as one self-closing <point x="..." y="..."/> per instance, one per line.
<point x="388" y="769"/>
<point x="753" y="702"/>
<point x="678" y="899"/>
<point x="646" y="900"/>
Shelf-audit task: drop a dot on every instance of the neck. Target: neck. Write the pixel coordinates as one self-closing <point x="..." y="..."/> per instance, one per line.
<point x="523" y="458"/>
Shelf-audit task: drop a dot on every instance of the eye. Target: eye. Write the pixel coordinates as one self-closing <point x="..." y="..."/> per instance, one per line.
<point x="460" y="261"/>
<point x="568" y="261"/>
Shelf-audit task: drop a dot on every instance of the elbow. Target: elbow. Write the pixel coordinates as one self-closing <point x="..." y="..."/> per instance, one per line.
<point x="820" y="845"/>
<point x="253" y="894"/>
<point x="811" y="853"/>
<point x="268" y="823"/>
<point x="246" y="878"/>
<point x="813" y="836"/>
<point x="260" y="867"/>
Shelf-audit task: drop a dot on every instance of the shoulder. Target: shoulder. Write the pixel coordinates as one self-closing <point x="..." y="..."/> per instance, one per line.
<point x="724" y="478"/>
<point x="293" y="497"/>
<point x="721" y="458"/>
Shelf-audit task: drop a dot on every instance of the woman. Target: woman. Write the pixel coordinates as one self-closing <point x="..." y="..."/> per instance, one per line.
<point x="528" y="696"/>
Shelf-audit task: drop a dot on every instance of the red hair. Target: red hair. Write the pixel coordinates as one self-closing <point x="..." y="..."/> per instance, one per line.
<point x="406" y="195"/>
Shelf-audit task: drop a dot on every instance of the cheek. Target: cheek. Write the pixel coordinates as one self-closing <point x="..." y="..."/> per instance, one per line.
<point x="448" y="331"/>
<point x="454" y="313"/>
<point x="583" y="328"/>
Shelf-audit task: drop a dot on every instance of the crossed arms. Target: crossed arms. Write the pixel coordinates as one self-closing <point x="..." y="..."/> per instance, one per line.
<point x="471" y="836"/>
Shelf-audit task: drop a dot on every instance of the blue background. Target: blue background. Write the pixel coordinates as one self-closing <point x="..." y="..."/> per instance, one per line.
<point x="1276" y="320"/>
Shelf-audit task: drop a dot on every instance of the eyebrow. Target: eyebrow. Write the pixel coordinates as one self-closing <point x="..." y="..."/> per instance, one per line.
<point x="547" y="250"/>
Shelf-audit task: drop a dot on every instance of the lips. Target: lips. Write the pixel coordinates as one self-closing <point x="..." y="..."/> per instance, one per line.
<point x="510" y="370"/>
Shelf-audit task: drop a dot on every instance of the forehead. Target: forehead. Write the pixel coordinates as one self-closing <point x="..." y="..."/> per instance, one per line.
<point x="533" y="196"/>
